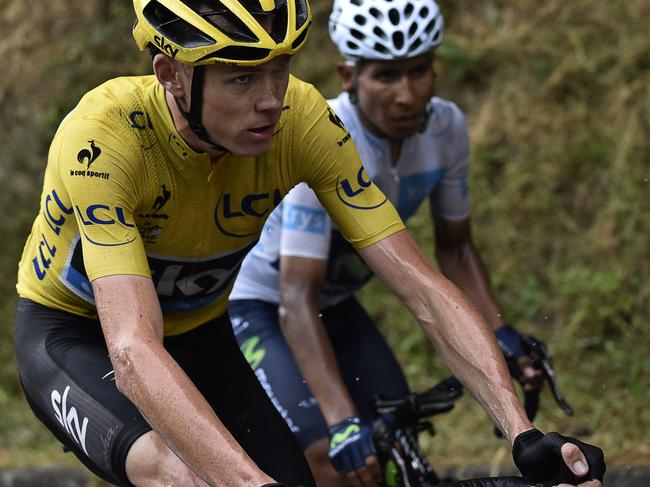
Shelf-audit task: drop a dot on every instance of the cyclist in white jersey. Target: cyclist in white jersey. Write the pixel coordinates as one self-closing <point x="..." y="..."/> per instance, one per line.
<point x="292" y="305"/>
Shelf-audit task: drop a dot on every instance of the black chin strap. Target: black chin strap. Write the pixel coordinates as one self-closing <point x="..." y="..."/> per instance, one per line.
<point x="193" y="117"/>
<point x="426" y="116"/>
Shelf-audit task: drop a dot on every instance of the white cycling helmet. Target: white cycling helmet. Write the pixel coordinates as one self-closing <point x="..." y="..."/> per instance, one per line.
<point x="385" y="29"/>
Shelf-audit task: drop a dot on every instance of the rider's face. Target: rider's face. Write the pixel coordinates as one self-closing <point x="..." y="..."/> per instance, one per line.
<point x="393" y="95"/>
<point x="242" y="105"/>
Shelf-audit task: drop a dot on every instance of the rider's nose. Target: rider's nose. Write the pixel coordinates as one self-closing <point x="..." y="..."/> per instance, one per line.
<point x="404" y="92"/>
<point x="270" y="99"/>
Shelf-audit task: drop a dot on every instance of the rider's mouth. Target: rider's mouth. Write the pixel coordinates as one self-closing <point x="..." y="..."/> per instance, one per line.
<point x="405" y="122"/>
<point x="262" y="133"/>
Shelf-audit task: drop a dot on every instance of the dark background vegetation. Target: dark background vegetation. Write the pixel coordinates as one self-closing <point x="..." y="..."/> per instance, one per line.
<point x="557" y="96"/>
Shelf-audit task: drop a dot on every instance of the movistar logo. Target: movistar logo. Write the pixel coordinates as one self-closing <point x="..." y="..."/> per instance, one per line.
<point x="344" y="436"/>
<point x="253" y="355"/>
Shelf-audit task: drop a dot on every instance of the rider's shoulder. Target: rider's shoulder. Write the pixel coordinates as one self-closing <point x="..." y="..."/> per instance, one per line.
<point x="300" y="91"/>
<point x="446" y="117"/>
<point x="115" y="101"/>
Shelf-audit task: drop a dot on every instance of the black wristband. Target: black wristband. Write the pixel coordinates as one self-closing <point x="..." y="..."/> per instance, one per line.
<point x="539" y="458"/>
<point x="273" y="485"/>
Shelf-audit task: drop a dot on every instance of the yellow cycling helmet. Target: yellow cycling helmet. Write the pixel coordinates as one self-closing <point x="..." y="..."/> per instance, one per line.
<point x="243" y="32"/>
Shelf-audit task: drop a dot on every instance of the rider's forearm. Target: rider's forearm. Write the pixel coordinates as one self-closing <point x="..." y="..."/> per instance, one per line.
<point x="312" y="349"/>
<point x="464" y="267"/>
<point x="461" y="336"/>
<point x="175" y="409"/>
<point x="468" y="347"/>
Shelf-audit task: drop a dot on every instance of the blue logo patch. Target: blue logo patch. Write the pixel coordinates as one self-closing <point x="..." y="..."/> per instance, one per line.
<point x="304" y="219"/>
<point x="413" y="189"/>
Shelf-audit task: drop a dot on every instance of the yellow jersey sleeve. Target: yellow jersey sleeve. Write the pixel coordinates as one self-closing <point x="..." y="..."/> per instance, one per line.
<point x="101" y="180"/>
<point x="331" y="166"/>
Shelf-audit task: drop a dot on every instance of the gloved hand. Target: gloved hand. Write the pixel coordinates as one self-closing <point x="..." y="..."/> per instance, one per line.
<point x="350" y="444"/>
<point x="539" y="458"/>
<point x="520" y="364"/>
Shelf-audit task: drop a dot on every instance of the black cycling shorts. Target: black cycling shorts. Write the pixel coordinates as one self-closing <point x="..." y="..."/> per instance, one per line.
<point x="366" y="363"/>
<point x="68" y="381"/>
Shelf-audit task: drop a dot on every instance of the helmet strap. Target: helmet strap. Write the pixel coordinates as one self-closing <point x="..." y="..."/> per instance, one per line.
<point x="193" y="117"/>
<point x="352" y="95"/>
<point x="426" y="116"/>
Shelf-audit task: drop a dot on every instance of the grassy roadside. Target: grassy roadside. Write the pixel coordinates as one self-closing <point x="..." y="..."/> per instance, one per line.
<point x="558" y="102"/>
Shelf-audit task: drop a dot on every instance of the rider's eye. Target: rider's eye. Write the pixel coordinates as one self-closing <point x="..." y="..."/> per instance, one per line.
<point x="242" y="79"/>
<point x="283" y="67"/>
<point x="386" y="76"/>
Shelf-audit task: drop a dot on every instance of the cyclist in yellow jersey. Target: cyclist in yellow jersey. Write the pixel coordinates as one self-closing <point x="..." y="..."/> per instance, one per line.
<point x="155" y="189"/>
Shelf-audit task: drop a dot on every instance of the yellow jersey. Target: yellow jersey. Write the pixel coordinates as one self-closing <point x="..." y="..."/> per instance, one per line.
<point x="123" y="194"/>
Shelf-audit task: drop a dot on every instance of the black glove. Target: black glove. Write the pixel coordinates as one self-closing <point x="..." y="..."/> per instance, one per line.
<point x="538" y="458"/>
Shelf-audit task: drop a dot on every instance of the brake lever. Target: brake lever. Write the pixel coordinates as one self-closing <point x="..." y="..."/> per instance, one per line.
<point x="539" y="354"/>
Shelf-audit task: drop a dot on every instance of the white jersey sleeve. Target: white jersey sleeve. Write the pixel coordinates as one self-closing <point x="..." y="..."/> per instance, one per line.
<point x="300" y="227"/>
<point x="450" y="198"/>
<point x="306" y="226"/>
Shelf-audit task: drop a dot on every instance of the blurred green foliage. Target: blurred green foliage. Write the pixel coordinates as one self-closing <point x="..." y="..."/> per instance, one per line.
<point x="557" y="97"/>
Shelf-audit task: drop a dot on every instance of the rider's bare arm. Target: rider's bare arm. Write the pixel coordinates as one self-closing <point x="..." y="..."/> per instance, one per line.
<point x="301" y="279"/>
<point x="132" y="323"/>
<point x="461" y="263"/>
<point x="461" y="336"/>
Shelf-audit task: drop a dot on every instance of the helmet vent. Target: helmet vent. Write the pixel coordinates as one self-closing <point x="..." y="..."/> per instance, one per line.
<point x="381" y="48"/>
<point x="299" y="40"/>
<point x="358" y="3"/>
<point x="424" y="12"/>
<point x="380" y="33"/>
<point x="177" y="30"/>
<point x="398" y="40"/>
<point x="357" y="34"/>
<point x="430" y="26"/>
<point x="438" y="37"/>
<point x="302" y="13"/>
<point x="376" y="13"/>
<point x="393" y="16"/>
<point x="223" y="19"/>
<point x="239" y="53"/>
<point x="360" y="19"/>
<point x="408" y="11"/>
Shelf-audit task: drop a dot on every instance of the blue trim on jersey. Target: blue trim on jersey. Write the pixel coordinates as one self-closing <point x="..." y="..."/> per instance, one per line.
<point x="413" y="189"/>
<point x="304" y="219"/>
<point x="78" y="283"/>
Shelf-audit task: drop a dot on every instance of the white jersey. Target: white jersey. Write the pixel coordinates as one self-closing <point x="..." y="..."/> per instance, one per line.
<point x="432" y="162"/>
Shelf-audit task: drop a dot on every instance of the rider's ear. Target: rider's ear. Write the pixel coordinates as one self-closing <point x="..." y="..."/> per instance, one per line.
<point x="170" y="75"/>
<point x="346" y="72"/>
